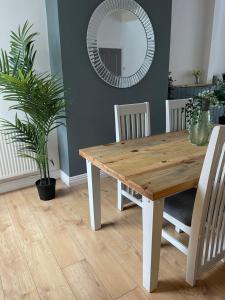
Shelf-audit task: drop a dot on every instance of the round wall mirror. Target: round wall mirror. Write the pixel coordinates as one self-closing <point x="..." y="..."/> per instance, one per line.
<point x="120" y="42"/>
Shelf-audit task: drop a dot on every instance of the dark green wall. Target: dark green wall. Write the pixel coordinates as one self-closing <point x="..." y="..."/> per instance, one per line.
<point x="90" y="112"/>
<point x="56" y="68"/>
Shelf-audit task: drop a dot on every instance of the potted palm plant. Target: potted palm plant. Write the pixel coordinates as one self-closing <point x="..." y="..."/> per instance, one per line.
<point x="40" y="101"/>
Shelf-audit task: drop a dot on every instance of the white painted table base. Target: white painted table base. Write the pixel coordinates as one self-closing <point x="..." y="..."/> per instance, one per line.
<point x="94" y="195"/>
<point x="152" y="220"/>
<point x="152" y="214"/>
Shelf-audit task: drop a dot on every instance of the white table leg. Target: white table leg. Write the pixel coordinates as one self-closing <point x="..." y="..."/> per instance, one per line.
<point x="93" y="175"/>
<point x="119" y="195"/>
<point x="152" y="214"/>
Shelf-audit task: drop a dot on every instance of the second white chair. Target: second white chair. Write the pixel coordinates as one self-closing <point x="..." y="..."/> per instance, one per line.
<point x="131" y="121"/>
<point x="175" y="114"/>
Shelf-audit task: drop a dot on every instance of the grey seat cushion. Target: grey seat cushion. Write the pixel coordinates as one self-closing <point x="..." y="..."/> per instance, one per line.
<point x="180" y="206"/>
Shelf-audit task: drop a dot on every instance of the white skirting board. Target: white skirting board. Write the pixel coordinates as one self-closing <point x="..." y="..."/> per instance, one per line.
<point x="76" y="180"/>
<point x="19" y="182"/>
<point x="26" y="180"/>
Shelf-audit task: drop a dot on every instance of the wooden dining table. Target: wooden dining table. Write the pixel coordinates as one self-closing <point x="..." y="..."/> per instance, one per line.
<point x="155" y="167"/>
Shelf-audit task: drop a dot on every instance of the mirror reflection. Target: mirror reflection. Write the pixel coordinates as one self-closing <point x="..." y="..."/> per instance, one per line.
<point x="122" y="43"/>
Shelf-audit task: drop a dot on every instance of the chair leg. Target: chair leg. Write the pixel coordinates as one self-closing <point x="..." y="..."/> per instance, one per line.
<point x="177" y="229"/>
<point x="190" y="279"/>
<point x="191" y="271"/>
<point x="119" y="195"/>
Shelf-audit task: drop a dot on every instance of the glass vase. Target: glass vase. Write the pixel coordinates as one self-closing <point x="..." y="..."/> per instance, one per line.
<point x="200" y="131"/>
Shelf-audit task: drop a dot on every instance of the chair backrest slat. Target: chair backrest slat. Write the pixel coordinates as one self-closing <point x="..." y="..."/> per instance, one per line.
<point x="128" y="126"/>
<point x="132" y="121"/>
<point x="133" y="126"/>
<point x="123" y="127"/>
<point x="175" y="114"/>
<point x="142" y="125"/>
<point x="138" y="125"/>
<point x="207" y="240"/>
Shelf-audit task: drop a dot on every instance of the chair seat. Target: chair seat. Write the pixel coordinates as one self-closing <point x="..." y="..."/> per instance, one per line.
<point x="180" y="206"/>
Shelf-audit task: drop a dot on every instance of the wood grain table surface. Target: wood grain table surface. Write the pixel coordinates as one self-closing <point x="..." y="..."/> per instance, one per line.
<point x="155" y="166"/>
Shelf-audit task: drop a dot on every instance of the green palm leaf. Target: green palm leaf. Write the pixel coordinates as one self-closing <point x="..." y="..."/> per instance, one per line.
<point x="40" y="97"/>
<point x="22" y="53"/>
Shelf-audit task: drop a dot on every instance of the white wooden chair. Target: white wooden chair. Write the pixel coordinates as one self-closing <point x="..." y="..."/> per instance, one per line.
<point x="131" y="121"/>
<point x="175" y="114"/>
<point x="207" y="229"/>
<point x="176" y="121"/>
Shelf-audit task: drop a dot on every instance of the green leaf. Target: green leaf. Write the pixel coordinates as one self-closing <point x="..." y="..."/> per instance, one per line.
<point x="40" y="97"/>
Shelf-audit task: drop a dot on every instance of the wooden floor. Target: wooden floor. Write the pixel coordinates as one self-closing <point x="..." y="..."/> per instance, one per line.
<point x="47" y="251"/>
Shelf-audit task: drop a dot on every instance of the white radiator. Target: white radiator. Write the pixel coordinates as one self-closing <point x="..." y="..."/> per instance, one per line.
<point x="11" y="165"/>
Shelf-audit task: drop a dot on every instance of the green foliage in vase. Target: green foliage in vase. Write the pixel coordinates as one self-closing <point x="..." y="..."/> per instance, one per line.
<point x="199" y="103"/>
<point x="38" y="96"/>
<point x="220" y="93"/>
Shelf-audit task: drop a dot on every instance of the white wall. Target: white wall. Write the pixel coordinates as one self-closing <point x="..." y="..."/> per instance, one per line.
<point x="110" y="33"/>
<point x="197" y="39"/>
<point x="135" y="47"/>
<point x="217" y="49"/>
<point x="119" y="31"/>
<point x="188" y="38"/>
<point x="14" y="13"/>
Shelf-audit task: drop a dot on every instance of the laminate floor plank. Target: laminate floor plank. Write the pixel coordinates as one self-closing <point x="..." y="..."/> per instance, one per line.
<point x="85" y="283"/>
<point x="48" y="251"/>
<point x="44" y="269"/>
<point x="16" y="280"/>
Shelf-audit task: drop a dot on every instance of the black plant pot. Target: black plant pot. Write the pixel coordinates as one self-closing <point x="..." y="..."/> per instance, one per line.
<point x="46" y="191"/>
<point x="222" y="120"/>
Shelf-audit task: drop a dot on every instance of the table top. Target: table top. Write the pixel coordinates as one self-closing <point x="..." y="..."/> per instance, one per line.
<point x="156" y="166"/>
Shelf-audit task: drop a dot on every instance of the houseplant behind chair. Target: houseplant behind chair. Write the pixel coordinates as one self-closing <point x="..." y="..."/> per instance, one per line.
<point x="220" y="94"/>
<point x="40" y="99"/>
